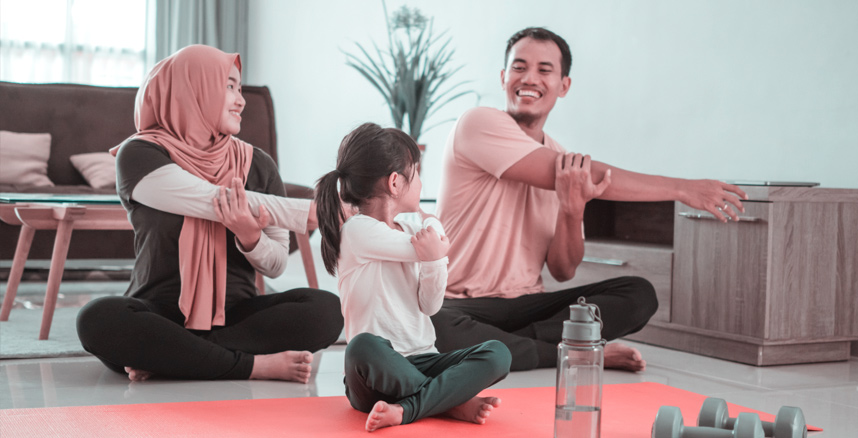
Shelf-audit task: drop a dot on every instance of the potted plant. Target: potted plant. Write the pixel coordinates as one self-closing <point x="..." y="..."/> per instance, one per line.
<point x="412" y="71"/>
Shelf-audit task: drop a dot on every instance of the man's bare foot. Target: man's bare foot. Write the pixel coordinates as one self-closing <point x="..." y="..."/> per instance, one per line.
<point x="383" y="414"/>
<point x="287" y="365"/>
<point x="137" y="375"/>
<point x="622" y="357"/>
<point x="475" y="410"/>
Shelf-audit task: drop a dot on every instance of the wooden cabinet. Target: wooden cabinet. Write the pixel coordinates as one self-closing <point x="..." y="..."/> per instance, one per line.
<point x="720" y="271"/>
<point x="626" y="238"/>
<point x="778" y="287"/>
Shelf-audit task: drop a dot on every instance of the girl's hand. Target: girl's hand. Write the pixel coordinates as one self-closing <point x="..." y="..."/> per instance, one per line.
<point x="429" y="245"/>
<point x="234" y="212"/>
<point x="424" y="215"/>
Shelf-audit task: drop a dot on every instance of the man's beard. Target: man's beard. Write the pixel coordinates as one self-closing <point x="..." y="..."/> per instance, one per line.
<point x="525" y="119"/>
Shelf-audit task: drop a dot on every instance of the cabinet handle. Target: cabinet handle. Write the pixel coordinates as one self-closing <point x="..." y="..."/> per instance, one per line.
<point x="690" y="215"/>
<point x="601" y="261"/>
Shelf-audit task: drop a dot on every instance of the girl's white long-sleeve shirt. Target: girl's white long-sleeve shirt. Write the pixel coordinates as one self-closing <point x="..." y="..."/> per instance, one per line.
<point x="384" y="288"/>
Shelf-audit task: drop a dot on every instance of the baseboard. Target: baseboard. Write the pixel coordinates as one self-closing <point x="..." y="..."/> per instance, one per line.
<point x="737" y="349"/>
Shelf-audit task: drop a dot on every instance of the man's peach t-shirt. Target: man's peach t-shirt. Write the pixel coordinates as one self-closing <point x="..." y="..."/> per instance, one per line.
<point x="499" y="230"/>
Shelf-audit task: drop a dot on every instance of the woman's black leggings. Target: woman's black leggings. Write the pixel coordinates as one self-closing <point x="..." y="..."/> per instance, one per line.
<point x="150" y="336"/>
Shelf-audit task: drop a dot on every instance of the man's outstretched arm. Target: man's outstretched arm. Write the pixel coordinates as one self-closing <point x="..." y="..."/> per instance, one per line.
<point x="721" y="199"/>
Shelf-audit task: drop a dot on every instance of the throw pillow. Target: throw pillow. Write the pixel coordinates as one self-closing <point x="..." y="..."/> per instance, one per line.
<point x="24" y="158"/>
<point x="97" y="168"/>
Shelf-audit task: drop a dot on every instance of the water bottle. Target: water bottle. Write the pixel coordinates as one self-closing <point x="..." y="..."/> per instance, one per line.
<point x="580" y="360"/>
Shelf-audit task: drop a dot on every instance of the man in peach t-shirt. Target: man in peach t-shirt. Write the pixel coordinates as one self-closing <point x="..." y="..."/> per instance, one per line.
<point x="512" y="201"/>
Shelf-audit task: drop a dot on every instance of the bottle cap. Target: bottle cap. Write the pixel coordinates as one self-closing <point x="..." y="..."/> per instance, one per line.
<point x="584" y="324"/>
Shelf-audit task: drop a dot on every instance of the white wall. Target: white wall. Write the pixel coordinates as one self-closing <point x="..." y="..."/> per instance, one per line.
<point x="762" y="90"/>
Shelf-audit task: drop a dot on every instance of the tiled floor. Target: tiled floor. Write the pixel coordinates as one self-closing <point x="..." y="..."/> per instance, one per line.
<point x="827" y="393"/>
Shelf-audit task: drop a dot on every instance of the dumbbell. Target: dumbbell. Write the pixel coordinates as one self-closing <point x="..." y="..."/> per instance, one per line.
<point x="789" y="423"/>
<point x="668" y="424"/>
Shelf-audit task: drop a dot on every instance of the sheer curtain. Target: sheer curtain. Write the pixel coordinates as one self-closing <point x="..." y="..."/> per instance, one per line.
<point x="97" y="42"/>
<point x="110" y="42"/>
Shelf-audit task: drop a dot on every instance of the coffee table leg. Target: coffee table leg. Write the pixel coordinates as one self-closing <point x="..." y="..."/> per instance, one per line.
<point x="58" y="263"/>
<point x="22" y="251"/>
<point x="307" y="259"/>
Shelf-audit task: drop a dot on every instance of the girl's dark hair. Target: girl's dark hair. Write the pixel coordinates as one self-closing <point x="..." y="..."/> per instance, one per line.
<point x="367" y="155"/>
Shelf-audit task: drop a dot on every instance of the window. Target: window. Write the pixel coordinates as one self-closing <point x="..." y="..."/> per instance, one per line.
<point x="97" y="42"/>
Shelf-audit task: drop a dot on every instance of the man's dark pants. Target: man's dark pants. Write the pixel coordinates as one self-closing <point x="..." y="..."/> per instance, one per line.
<point x="531" y="325"/>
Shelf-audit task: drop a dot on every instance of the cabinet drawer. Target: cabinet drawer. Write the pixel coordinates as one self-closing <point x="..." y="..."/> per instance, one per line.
<point x="719" y="277"/>
<point x="604" y="260"/>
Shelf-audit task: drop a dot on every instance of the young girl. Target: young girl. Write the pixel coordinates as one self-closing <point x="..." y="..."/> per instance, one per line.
<point x="392" y="277"/>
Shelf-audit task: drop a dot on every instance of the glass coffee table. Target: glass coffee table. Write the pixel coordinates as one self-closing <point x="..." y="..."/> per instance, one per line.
<point x="63" y="213"/>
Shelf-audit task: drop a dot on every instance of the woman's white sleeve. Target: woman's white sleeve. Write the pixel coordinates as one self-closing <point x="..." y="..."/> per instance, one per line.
<point x="271" y="253"/>
<point x="174" y="190"/>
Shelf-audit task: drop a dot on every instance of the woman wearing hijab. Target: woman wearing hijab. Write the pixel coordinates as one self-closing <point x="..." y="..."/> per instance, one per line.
<point x="208" y="211"/>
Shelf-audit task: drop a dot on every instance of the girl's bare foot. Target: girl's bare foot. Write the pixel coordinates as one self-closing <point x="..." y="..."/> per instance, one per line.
<point x="475" y="410"/>
<point x="287" y="365"/>
<point x="622" y="357"/>
<point x="383" y="415"/>
<point x="137" y="375"/>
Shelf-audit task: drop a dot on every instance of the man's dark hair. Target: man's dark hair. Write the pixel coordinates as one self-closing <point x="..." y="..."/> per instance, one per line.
<point x="543" y="34"/>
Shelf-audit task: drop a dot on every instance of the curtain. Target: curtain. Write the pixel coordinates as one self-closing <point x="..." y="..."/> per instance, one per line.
<point x="217" y="23"/>
<point x="97" y="42"/>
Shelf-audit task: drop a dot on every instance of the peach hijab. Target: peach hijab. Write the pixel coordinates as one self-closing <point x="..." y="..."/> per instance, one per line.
<point x="179" y="107"/>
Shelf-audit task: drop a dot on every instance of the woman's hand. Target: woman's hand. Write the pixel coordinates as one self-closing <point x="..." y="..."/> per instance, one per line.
<point x="234" y="212"/>
<point x="429" y="245"/>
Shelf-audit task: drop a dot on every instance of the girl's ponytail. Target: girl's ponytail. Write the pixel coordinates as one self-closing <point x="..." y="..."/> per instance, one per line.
<point x="330" y="214"/>
<point x="366" y="155"/>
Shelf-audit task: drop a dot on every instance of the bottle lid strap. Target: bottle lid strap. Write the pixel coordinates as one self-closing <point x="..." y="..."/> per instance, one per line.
<point x="594" y="310"/>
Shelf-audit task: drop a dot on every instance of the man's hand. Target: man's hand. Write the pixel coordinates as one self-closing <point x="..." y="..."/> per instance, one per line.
<point x="429" y="245"/>
<point x="574" y="185"/>
<point x="713" y="196"/>
<point x="234" y="212"/>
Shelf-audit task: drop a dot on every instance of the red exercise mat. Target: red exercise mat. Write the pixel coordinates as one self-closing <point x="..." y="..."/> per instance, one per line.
<point x="628" y="411"/>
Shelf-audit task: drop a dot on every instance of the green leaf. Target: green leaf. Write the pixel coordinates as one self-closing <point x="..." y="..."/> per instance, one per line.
<point x="412" y="72"/>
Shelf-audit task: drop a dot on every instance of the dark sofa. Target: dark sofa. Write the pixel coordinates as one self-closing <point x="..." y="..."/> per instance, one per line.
<point x="81" y="119"/>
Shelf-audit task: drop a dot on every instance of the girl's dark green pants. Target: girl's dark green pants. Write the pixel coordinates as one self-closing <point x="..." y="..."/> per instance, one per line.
<point x="424" y="384"/>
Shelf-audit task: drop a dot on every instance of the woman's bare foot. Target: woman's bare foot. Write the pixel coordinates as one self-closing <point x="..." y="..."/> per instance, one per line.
<point x="475" y="410"/>
<point x="287" y="365"/>
<point x="622" y="357"/>
<point x="383" y="414"/>
<point x="137" y="375"/>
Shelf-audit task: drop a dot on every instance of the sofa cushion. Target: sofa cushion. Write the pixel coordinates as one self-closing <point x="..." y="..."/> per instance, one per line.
<point x="24" y="158"/>
<point x="97" y="168"/>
